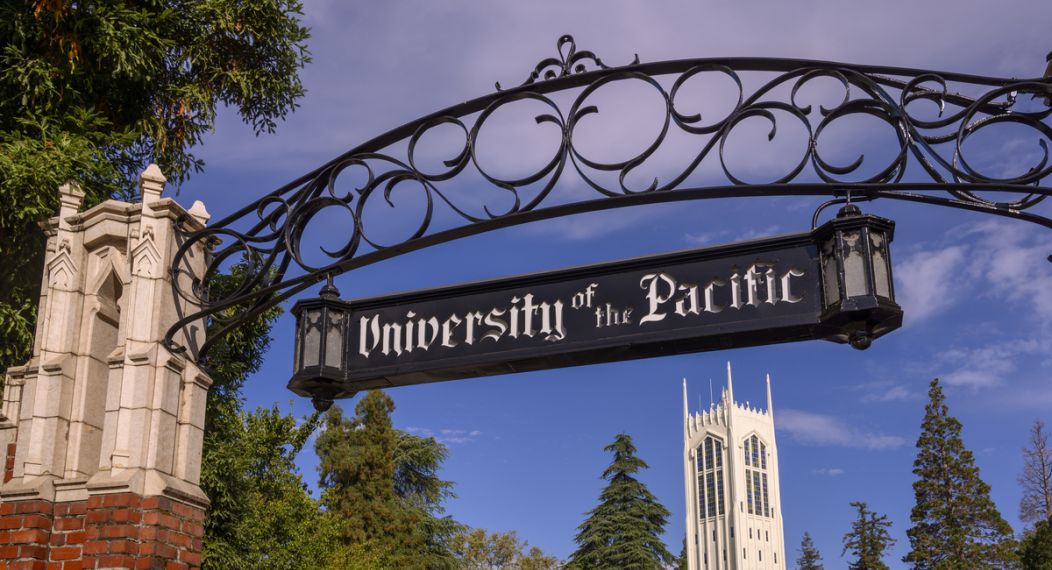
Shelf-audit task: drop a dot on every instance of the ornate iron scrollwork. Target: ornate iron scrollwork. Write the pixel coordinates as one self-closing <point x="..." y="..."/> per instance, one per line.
<point x="930" y="164"/>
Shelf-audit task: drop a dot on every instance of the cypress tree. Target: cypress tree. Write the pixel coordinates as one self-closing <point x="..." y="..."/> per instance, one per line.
<point x="868" y="539"/>
<point x="382" y="484"/>
<point x="955" y="523"/>
<point x="624" y="530"/>
<point x="810" y="558"/>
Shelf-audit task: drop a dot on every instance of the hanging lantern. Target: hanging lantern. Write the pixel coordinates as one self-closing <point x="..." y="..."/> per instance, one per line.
<point x="858" y="292"/>
<point x="319" y="362"/>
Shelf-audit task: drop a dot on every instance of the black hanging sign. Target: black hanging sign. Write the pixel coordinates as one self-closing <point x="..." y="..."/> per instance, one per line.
<point x="743" y="294"/>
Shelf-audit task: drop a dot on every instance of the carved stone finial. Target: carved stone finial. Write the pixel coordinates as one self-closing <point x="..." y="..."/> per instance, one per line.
<point x="70" y="198"/>
<point x="199" y="212"/>
<point x="151" y="182"/>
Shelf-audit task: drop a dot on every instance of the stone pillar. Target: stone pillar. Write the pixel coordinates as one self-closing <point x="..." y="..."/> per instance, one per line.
<point x="102" y="429"/>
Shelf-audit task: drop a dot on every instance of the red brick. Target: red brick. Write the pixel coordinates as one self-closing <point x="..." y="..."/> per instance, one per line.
<point x="27" y="536"/>
<point x="117" y="561"/>
<point x="176" y="565"/>
<point x="33" y="507"/>
<point x="61" y="509"/>
<point x="193" y="528"/>
<point x="184" y="510"/>
<point x="36" y="521"/>
<point x="168" y="521"/>
<point x="11" y="522"/>
<point x="75" y="537"/>
<point x="7" y="508"/>
<point x="127" y="515"/>
<point x="78" y="508"/>
<point x="95" y="501"/>
<point x="148" y="533"/>
<point x="117" y="500"/>
<point x="161" y="503"/>
<point x="96" y="547"/>
<point x="28" y="565"/>
<point x="163" y="551"/>
<point x="190" y="557"/>
<point x="58" y="540"/>
<point x="73" y="565"/>
<point x="180" y="540"/>
<point x="69" y="523"/>
<point x="149" y="564"/>
<point x="65" y="553"/>
<point x="96" y="517"/>
<point x="54" y="566"/>
<point x="33" y="551"/>
<point x="8" y="552"/>
<point x="118" y="531"/>
<point x="124" y="547"/>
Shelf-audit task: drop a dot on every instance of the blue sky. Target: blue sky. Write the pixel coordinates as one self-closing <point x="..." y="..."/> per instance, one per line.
<point x="526" y="450"/>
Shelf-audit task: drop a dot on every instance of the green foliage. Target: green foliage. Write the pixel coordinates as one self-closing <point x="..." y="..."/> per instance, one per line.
<point x="94" y="91"/>
<point x="476" y="550"/>
<point x="624" y="530"/>
<point x="809" y="558"/>
<point x="681" y="562"/>
<point x="1036" y="550"/>
<point x="383" y="486"/>
<point x="261" y="514"/>
<point x="955" y="523"/>
<point x="868" y="539"/>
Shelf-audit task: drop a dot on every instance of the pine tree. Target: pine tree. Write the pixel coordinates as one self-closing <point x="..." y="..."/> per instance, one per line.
<point x="624" y="530"/>
<point x="868" y="540"/>
<point x="1036" y="550"/>
<point x="955" y="523"/>
<point x="1036" y="480"/>
<point x="809" y="558"/>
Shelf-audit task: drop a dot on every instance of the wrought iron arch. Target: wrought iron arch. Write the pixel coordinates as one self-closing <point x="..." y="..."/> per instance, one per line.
<point x="267" y="235"/>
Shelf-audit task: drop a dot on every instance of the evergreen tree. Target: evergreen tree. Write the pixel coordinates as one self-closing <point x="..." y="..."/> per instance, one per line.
<point x="94" y="91"/>
<point x="1036" y="550"/>
<point x="624" y="530"/>
<point x="955" y="523"/>
<point x="1036" y="480"/>
<point x="868" y="539"/>
<point x="681" y="562"/>
<point x="385" y="494"/>
<point x="809" y="558"/>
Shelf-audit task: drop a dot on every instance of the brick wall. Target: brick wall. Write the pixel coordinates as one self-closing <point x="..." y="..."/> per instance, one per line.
<point x="119" y="530"/>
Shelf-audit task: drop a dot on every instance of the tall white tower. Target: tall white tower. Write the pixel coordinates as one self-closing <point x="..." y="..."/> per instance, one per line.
<point x="734" y="506"/>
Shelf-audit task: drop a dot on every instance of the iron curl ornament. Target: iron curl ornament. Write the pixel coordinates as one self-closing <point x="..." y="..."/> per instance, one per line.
<point x="931" y="117"/>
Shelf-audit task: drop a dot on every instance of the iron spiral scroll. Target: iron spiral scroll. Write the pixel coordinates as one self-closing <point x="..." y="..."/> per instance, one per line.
<point x="930" y="166"/>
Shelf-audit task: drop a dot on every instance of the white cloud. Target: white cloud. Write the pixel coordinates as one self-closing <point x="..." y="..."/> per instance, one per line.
<point x="818" y="429"/>
<point x="921" y="279"/>
<point x="828" y="471"/>
<point x="885" y="392"/>
<point x="989" y="365"/>
<point x="446" y="435"/>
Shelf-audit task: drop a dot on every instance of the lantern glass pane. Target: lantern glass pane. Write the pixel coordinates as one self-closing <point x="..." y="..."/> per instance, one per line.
<point x="855" y="262"/>
<point x="334" y="338"/>
<point x="881" y="275"/>
<point x="311" y="337"/>
<point x="830" y="281"/>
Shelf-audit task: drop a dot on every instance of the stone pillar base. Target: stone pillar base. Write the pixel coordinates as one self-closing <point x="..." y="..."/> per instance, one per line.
<point x="116" y="530"/>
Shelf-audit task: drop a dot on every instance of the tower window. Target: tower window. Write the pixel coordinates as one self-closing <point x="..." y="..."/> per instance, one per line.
<point x="710" y="478"/>
<point x="756" y="476"/>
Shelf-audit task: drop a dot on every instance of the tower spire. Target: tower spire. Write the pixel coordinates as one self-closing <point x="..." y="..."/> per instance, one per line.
<point x="686" y="413"/>
<point x="730" y="385"/>
<point x="770" y="404"/>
